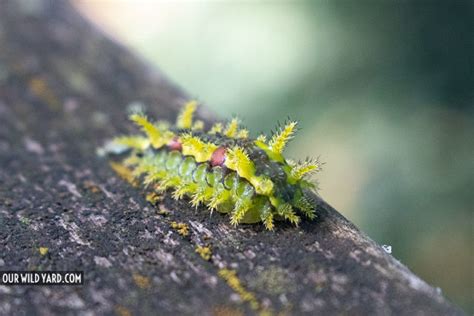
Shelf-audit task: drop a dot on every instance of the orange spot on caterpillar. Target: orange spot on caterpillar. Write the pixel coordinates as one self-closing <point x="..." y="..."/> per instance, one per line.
<point x="175" y="144"/>
<point x="218" y="157"/>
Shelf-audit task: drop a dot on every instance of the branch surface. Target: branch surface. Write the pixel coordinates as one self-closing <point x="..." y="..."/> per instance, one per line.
<point x="64" y="89"/>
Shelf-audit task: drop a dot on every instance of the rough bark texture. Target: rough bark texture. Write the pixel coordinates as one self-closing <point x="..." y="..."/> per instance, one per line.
<point x="64" y="89"/>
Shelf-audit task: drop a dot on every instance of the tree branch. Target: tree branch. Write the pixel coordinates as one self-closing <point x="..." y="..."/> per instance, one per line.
<point x="64" y="89"/>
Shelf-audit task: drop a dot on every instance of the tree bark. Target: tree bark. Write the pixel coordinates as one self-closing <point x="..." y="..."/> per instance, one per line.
<point x="64" y="90"/>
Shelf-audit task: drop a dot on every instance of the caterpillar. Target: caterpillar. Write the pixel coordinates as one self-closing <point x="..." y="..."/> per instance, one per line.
<point x="221" y="167"/>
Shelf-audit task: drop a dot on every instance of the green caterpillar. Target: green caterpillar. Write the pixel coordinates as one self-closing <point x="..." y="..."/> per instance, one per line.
<point x="221" y="168"/>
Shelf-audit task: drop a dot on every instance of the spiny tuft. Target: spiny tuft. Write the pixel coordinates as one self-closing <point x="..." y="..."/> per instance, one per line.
<point x="185" y="117"/>
<point x="279" y="140"/>
<point x="232" y="128"/>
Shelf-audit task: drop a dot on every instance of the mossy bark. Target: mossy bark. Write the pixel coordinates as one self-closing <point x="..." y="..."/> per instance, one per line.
<point x="64" y="89"/>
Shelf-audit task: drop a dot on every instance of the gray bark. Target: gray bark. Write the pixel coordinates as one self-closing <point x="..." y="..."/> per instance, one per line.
<point x="64" y="89"/>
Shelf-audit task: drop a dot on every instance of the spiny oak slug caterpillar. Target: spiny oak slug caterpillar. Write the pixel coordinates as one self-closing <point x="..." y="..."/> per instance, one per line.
<point x="222" y="167"/>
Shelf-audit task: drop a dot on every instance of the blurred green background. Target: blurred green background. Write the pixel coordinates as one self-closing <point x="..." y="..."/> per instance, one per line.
<point x="383" y="91"/>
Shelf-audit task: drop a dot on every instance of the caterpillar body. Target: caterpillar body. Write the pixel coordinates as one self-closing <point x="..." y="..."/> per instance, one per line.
<point x="221" y="168"/>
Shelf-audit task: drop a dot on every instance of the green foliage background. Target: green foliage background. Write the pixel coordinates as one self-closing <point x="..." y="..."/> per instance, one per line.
<point x="383" y="91"/>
